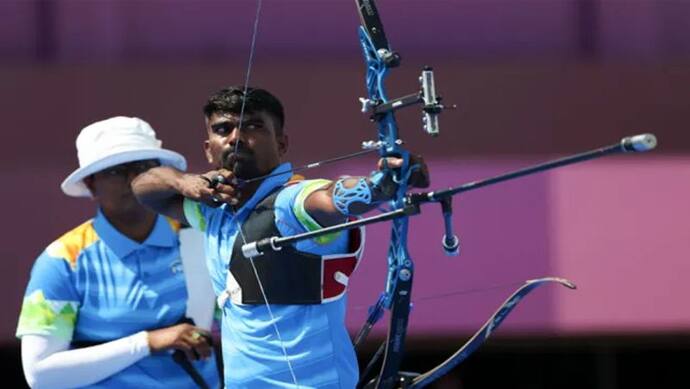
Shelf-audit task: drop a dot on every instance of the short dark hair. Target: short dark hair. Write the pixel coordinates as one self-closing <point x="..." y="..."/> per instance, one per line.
<point x="230" y="100"/>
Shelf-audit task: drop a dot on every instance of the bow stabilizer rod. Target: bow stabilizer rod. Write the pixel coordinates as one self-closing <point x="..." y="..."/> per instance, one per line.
<point x="630" y="144"/>
<point x="276" y="243"/>
<point x="413" y="201"/>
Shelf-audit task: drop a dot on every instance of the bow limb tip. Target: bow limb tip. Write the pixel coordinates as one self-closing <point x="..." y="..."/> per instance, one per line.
<point x="563" y="281"/>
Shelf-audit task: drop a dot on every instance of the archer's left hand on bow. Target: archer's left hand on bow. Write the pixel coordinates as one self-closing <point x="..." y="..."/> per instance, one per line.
<point x="420" y="175"/>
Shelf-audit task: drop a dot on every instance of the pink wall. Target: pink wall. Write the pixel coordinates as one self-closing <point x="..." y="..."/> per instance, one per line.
<point x="623" y="233"/>
<point x="113" y="30"/>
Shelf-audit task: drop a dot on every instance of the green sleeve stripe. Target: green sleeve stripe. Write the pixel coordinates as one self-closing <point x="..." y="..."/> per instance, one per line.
<point x="303" y="217"/>
<point x="43" y="317"/>
<point x="192" y="212"/>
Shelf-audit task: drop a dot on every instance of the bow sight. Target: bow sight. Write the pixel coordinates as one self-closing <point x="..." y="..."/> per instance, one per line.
<point x="427" y="96"/>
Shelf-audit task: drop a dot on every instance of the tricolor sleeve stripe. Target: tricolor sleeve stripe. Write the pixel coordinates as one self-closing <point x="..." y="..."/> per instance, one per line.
<point x="40" y="316"/>
<point x="70" y="245"/>
<point x="193" y="214"/>
<point x="304" y="218"/>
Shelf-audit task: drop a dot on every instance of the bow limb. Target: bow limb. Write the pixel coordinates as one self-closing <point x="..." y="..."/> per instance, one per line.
<point x="396" y="297"/>
<point x="485" y="331"/>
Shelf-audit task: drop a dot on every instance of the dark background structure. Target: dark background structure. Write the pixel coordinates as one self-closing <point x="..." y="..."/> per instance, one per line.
<point x="532" y="79"/>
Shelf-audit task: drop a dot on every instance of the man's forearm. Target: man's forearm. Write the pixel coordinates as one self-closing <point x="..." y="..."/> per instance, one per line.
<point x="159" y="189"/>
<point x="348" y="196"/>
<point x="352" y="196"/>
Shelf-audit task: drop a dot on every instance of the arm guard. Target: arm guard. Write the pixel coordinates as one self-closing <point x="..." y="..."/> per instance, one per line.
<point x="378" y="187"/>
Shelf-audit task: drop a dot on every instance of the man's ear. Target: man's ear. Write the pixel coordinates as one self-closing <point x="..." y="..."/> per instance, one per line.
<point x="207" y="151"/>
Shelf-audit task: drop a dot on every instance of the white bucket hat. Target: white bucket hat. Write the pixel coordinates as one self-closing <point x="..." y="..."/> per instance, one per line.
<point x="113" y="142"/>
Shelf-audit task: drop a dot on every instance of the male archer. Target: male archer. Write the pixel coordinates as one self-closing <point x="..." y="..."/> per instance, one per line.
<point x="283" y="322"/>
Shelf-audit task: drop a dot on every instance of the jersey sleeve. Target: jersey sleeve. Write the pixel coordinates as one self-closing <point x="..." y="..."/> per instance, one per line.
<point x="292" y="218"/>
<point x="196" y="214"/>
<point x="51" y="301"/>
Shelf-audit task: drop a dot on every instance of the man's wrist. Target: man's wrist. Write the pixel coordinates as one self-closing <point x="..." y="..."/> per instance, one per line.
<point x="181" y="183"/>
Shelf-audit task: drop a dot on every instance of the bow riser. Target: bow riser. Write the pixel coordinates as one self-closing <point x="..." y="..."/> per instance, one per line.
<point x="400" y="269"/>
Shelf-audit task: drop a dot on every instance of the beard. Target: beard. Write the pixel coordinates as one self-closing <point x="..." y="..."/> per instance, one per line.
<point x="242" y="163"/>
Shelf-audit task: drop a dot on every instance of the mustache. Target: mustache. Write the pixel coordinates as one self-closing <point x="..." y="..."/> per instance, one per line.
<point x="230" y="156"/>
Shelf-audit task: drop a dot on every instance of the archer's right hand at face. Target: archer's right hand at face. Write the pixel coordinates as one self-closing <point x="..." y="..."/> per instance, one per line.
<point x="212" y="188"/>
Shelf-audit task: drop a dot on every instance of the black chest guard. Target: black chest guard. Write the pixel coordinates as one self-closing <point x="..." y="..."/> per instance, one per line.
<point x="288" y="276"/>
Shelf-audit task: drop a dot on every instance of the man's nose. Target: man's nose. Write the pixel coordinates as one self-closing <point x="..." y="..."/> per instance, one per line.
<point x="234" y="135"/>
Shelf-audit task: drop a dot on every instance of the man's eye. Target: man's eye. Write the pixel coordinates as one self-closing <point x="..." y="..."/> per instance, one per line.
<point x="225" y="129"/>
<point x="222" y="130"/>
<point x="254" y="125"/>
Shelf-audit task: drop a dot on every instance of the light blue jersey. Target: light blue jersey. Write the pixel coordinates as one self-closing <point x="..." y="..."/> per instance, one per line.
<point x="95" y="284"/>
<point x="314" y="336"/>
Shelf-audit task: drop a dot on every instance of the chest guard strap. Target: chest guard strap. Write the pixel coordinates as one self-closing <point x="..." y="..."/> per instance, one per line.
<point x="288" y="276"/>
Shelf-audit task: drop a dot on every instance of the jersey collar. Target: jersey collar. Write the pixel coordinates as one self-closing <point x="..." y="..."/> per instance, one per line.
<point x="162" y="235"/>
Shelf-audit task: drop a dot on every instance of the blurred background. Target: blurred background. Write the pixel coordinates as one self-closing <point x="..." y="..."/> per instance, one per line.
<point x="532" y="79"/>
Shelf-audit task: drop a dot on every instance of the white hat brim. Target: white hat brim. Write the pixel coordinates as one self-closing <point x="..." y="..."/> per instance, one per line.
<point x="74" y="185"/>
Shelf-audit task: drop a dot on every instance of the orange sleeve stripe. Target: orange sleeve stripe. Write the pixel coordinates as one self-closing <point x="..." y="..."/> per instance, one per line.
<point x="174" y="224"/>
<point x="71" y="244"/>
